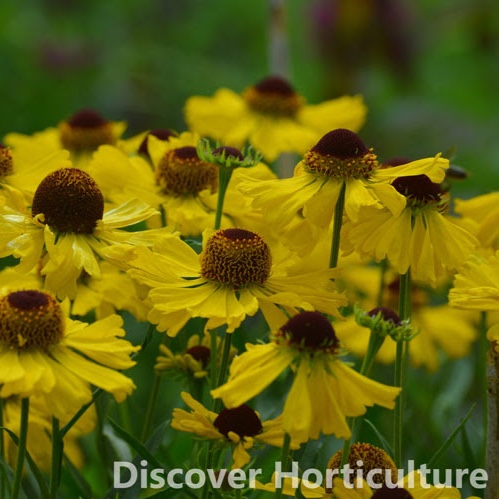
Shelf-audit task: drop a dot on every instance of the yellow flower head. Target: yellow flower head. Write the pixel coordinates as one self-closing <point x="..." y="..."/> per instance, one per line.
<point x="81" y="134"/>
<point x="43" y="352"/>
<point x="240" y="426"/>
<point x="420" y="237"/>
<point x="67" y="229"/>
<point x="339" y="157"/>
<point x="194" y="361"/>
<point x="232" y="278"/>
<point x="325" y="390"/>
<point x="271" y="116"/>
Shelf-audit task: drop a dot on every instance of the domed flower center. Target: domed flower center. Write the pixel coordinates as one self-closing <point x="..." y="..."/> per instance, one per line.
<point x="237" y="257"/>
<point x="340" y="154"/>
<point x="274" y="96"/>
<point x="229" y="152"/>
<point x="6" y="164"/>
<point x="242" y="421"/>
<point x="69" y="200"/>
<point x="419" y="190"/>
<point x="181" y="172"/>
<point x="30" y="320"/>
<point x="311" y="331"/>
<point x="160" y="133"/>
<point x="200" y="353"/>
<point x="391" y="493"/>
<point x="387" y="314"/>
<point x="86" y="130"/>
<point x="367" y="457"/>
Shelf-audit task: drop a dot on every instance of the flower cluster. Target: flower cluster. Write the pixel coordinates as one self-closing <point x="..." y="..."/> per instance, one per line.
<point x="274" y="307"/>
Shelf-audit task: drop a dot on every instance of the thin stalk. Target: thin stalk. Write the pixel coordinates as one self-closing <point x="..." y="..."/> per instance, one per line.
<point x="492" y="445"/>
<point x="57" y="449"/>
<point x="284" y="461"/>
<point x="21" y="449"/>
<point x="224" y="176"/>
<point x="151" y="405"/>
<point x="224" y="365"/>
<point x="337" y="221"/>
<point x="401" y="356"/>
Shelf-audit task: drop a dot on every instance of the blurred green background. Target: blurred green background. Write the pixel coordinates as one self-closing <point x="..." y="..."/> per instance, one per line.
<point x="428" y="69"/>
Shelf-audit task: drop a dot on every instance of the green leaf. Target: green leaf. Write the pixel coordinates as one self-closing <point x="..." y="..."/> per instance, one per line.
<point x="138" y="446"/>
<point x="449" y="439"/>
<point x="40" y="480"/>
<point x="384" y="442"/>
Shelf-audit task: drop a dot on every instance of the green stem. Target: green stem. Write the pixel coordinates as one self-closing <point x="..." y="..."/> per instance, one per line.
<point x="224" y="176"/>
<point x="284" y="461"/>
<point x="21" y="448"/>
<point x="337" y="221"/>
<point x="2" y="441"/>
<point x="224" y="365"/>
<point x="401" y="358"/>
<point x="151" y="405"/>
<point x="57" y="449"/>
<point x="97" y="393"/>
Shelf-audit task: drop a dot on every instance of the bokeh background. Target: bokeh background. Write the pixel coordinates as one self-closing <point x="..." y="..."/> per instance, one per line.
<point x="428" y="69"/>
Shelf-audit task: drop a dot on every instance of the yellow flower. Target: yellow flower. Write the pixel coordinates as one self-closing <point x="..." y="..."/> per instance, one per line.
<point x="81" y="134"/>
<point x="194" y="361"/>
<point x="414" y="484"/>
<point x="310" y="195"/>
<point x="240" y="426"/>
<point x="437" y="328"/>
<point x="483" y="212"/>
<point x="233" y="278"/>
<point x="39" y="434"/>
<point x="420" y="236"/>
<point x="23" y="169"/>
<point x="45" y="353"/>
<point x="271" y="116"/>
<point x="66" y="229"/>
<point x="476" y="285"/>
<point x="325" y="390"/>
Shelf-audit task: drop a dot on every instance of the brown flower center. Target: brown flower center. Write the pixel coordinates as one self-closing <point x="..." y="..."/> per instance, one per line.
<point x="418" y="189"/>
<point x="366" y="457"/>
<point x="391" y="493"/>
<point x="6" y="164"/>
<point x="311" y="331"/>
<point x="341" y="154"/>
<point x="274" y="96"/>
<point x="200" y="353"/>
<point x="237" y="257"/>
<point x="30" y="320"/>
<point x="387" y="314"/>
<point x="69" y="200"/>
<point x="242" y="421"/>
<point x="160" y="133"/>
<point x="86" y="130"/>
<point x="181" y="172"/>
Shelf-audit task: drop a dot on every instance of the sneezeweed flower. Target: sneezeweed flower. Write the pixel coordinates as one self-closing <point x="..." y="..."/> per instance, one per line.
<point x="114" y="291"/>
<point x="232" y="278"/>
<point x="138" y="144"/>
<point x="44" y="353"/>
<point x="241" y="427"/>
<point x="271" y="116"/>
<point x="420" y="237"/>
<point x="338" y="157"/>
<point x="363" y="458"/>
<point x="483" y="212"/>
<point x="436" y="329"/>
<point x="412" y="486"/>
<point x="66" y="229"/>
<point x="325" y="390"/>
<point x="39" y="433"/>
<point x="476" y="285"/>
<point x="22" y="170"/>
<point x="81" y="134"/>
<point x="194" y="361"/>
